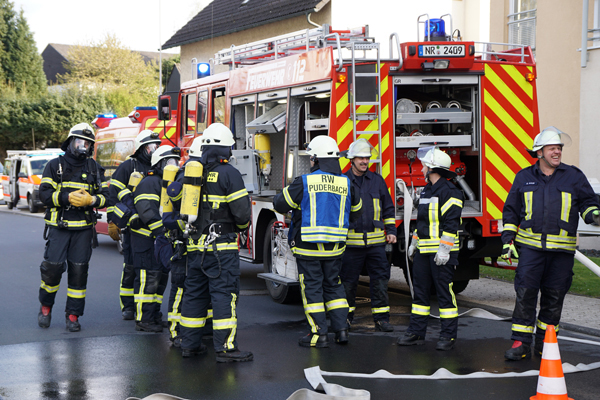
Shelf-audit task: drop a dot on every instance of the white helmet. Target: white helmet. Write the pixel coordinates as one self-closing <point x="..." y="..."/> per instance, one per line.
<point x="144" y="137"/>
<point x="360" y="148"/>
<point x="164" y="152"/>
<point x="549" y="136"/>
<point x="323" y="147"/>
<point x="82" y="131"/>
<point x="196" y="147"/>
<point x="217" y="134"/>
<point x="433" y="158"/>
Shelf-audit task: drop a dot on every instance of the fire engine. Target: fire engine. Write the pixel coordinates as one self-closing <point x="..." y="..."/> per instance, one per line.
<point x="476" y="101"/>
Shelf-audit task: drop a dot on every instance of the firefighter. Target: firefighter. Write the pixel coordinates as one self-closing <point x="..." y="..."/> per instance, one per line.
<point x="121" y="207"/>
<point x="176" y="227"/>
<point x="434" y="250"/>
<point x="365" y="246"/>
<point x="323" y="204"/>
<point x="147" y="228"/>
<point x="540" y="220"/>
<point x="72" y="186"/>
<point x="213" y="256"/>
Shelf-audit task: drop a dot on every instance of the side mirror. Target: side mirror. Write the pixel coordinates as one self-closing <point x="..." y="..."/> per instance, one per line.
<point x="164" y="107"/>
<point x="22" y="175"/>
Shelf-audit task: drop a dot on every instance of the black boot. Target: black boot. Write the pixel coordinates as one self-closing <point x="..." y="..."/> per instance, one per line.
<point x="314" y="340"/>
<point x="148" y="327"/>
<point x="538" y="346"/>
<point x="410" y="339"/>
<point x="44" y="316"/>
<point x="72" y="323"/>
<point x="519" y="351"/>
<point x="186" y="353"/>
<point x="128" y="315"/>
<point x="341" y="336"/>
<point x="445" y="344"/>
<point x="384" y="326"/>
<point x="234" y="356"/>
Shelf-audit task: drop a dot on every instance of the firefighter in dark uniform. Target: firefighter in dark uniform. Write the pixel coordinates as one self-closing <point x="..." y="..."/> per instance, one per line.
<point x="176" y="228"/>
<point x="540" y="220"/>
<point x="434" y="249"/>
<point x="324" y="202"/>
<point x="147" y="227"/>
<point x="72" y="186"/>
<point x="212" y="251"/>
<point x="365" y="246"/>
<point x="121" y="197"/>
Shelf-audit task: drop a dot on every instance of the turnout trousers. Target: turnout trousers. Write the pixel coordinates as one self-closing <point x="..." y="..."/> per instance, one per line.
<point x="75" y="248"/>
<point x="322" y="291"/>
<point x="374" y="259"/>
<point x="548" y="272"/>
<point x="128" y="275"/>
<point x="426" y="273"/>
<point x="206" y="282"/>
<point x="150" y="282"/>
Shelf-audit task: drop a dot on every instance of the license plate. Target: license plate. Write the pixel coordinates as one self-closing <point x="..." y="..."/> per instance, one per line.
<point x="441" y="50"/>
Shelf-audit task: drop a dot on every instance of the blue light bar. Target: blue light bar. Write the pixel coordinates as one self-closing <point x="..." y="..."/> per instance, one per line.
<point x="149" y="108"/>
<point x="106" y="116"/>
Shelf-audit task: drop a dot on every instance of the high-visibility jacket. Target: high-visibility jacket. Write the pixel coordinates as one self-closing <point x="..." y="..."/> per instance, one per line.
<point x="61" y="178"/>
<point x="120" y="178"/>
<point x="378" y="218"/>
<point x="438" y="217"/>
<point x="323" y="205"/>
<point x="542" y="212"/>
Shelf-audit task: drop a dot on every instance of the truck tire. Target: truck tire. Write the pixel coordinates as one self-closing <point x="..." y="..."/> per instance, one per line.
<point x="282" y="294"/>
<point x="459" y="286"/>
<point x="32" y="207"/>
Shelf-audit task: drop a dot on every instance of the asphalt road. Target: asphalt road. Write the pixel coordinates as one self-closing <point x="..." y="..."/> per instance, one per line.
<point x="109" y="360"/>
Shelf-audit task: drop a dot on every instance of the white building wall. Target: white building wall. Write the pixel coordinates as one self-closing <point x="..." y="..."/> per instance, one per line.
<point x="589" y="144"/>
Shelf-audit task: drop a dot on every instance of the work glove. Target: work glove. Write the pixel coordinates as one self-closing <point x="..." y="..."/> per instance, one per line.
<point x="596" y="216"/>
<point x="412" y="249"/>
<point x="114" y="232"/>
<point x="508" y="251"/>
<point x="443" y="254"/>
<point x="163" y="251"/>
<point x="81" y="198"/>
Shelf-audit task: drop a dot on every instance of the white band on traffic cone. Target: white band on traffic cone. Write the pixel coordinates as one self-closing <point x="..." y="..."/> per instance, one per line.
<point x="551" y="385"/>
<point x="551" y="351"/>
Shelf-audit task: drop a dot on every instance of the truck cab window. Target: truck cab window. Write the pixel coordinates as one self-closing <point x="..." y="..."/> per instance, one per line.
<point x="218" y="105"/>
<point x="202" y="111"/>
<point x="189" y="108"/>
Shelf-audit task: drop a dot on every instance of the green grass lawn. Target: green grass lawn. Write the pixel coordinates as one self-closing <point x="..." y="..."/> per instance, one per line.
<point x="585" y="282"/>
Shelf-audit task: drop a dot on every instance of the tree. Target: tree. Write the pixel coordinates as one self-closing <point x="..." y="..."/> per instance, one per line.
<point x="20" y="64"/>
<point x="121" y="74"/>
<point x="167" y="66"/>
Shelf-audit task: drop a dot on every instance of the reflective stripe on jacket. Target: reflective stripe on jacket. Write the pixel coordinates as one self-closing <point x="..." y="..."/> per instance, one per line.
<point x="543" y="212"/>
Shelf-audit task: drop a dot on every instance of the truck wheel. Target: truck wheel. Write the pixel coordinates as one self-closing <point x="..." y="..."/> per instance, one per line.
<point x="282" y="294"/>
<point x="32" y="207"/>
<point x="9" y="205"/>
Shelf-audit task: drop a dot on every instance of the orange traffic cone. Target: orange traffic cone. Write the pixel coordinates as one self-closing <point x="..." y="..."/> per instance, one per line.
<point x="551" y="382"/>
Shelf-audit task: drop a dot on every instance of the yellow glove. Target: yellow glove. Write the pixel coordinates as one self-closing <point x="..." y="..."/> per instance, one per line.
<point x="114" y="232"/>
<point x="509" y="251"/>
<point x="81" y="198"/>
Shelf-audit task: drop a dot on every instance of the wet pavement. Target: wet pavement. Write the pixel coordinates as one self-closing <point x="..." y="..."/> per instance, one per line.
<point x="109" y="360"/>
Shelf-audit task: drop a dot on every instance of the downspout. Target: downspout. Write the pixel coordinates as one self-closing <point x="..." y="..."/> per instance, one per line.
<point x="311" y="22"/>
<point x="584" y="29"/>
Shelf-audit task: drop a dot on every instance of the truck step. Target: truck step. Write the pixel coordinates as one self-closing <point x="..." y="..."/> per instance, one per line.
<point x="268" y="276"/>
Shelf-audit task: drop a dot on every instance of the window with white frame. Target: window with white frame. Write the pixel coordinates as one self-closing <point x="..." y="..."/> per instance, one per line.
<point x="521" y="22"/>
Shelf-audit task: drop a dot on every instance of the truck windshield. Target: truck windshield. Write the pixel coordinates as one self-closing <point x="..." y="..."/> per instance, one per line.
<point x="38" y="165"/>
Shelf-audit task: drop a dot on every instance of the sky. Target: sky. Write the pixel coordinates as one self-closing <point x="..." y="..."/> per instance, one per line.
<point x="134" y="22"/>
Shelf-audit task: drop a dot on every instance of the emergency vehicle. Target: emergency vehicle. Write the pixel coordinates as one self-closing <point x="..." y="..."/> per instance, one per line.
<point x="22" y="176"/>
<point x="115" y="141"/>
<point x="476" y="101"/>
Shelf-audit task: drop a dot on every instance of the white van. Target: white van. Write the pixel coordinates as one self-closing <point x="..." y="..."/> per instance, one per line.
<point x="22" y="176"/>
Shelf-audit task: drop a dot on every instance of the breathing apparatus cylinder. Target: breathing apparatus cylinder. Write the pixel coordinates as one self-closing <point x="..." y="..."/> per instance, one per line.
<point x="168" y="177"/>
<point x="262" y="145"/>
<point x="134" y="179"/>
<point x="192" y="185"/>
